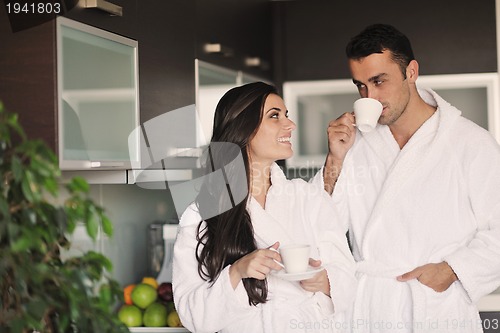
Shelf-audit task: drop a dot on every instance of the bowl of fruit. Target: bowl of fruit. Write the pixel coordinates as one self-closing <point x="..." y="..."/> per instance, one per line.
<point x="149" y="308"/>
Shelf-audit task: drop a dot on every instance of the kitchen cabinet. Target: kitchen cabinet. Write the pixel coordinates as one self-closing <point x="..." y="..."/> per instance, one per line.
<point x="28" y="68"/>
<point x="243" y="29"/>
<point x="212" y="82"/>
<point x="29" y="71"/>
<point x="170" y="35"/>
<point x="448" y="36"/>
<point x="98" y="100"/>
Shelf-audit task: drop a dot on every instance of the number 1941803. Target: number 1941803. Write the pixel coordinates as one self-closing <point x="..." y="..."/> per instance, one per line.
<point x="33" y="8"/>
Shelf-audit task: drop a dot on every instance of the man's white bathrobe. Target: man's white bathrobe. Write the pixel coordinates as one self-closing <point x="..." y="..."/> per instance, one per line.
<point x="437" y="199"/>
<point x="295" y="212"/>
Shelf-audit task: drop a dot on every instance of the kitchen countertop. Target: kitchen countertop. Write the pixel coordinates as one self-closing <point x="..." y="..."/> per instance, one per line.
<point x="490" y="303"/>
<point x="158" y="330"/>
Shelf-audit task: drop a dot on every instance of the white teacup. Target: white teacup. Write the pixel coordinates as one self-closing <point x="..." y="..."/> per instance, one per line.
<point x="295" y="257"/>
<point x="367" y="111"/>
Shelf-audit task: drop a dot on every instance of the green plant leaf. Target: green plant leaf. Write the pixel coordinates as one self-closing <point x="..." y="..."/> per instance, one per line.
<point x="107" y="226"/>
<point x="17" y="168"/>
<point x="78" y="184"/>
<point x="92" y="227"/>
<point x="37" y="308"/>
<point x="4" y="208"/>
<point x="21" y="244"/>
<point x="51" y="185"/>
<point x="30" y="187"/>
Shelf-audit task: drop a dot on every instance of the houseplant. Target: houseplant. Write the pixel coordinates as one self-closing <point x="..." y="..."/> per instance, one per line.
<point x="39" y="291"/>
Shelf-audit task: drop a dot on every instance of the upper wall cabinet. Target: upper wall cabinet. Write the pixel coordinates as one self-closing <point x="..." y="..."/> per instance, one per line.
<point x="98" y="98"/>
<point x="165" y="78"/>
<point x="448" y="36"/>
<point x="212" y="82"/>
<point x="236" y="35"/>
<point x="313" y="104"/>
<point x="125" y="25"/>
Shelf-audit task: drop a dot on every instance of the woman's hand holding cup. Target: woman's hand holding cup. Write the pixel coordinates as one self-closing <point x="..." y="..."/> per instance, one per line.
<point x="256" y="264"/>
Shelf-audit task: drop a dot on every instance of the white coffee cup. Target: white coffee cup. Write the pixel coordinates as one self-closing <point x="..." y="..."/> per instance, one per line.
<point x="295" y="257"/>
<point x="367" y="111"/>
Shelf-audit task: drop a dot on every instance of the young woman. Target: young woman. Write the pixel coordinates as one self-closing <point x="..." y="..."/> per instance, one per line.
<point x="226" y="274"/>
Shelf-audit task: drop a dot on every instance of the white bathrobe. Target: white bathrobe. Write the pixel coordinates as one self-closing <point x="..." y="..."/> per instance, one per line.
<point x="437" y="199"/>
<point x="295" y="212"/>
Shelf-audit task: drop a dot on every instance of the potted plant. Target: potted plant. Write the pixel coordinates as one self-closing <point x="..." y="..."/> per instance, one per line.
<point x="39" y="291"/>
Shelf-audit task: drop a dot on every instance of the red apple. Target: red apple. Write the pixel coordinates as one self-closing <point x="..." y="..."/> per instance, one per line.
<point x="165" y="292"/>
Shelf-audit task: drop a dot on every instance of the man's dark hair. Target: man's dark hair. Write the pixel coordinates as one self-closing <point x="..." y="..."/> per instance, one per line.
<point x="377" y="38"/>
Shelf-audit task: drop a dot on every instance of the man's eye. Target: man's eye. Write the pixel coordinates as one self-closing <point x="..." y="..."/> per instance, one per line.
<point x="378" y="82"/>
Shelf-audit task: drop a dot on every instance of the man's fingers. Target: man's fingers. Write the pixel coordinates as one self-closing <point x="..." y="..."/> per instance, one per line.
<point x="409" y="275"/>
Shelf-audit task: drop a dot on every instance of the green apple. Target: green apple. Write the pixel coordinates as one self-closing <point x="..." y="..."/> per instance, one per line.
<point x="143" y="295"/>
<point x="155" y="315"/>
<point x="130" y="315"/>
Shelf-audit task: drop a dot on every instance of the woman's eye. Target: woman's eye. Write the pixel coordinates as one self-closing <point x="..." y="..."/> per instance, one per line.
<point x="286" y="114"/>
<point x="275" y="115"/>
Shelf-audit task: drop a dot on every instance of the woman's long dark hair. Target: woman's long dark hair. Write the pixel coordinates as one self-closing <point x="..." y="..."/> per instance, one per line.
<point x="229" y="235"/>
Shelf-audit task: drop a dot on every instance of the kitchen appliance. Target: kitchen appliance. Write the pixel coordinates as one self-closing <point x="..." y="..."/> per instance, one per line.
<point x="156" y="248"/>
<point x="169" y="234"/>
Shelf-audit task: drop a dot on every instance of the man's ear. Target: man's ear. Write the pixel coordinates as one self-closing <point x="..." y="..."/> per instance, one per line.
<point x="412" y="71"/>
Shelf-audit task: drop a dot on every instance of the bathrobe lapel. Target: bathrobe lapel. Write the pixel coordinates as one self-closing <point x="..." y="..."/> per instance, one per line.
<point x="267" y="229"/>
<point x="405" y="165"/>
<point x="270" y="223"/>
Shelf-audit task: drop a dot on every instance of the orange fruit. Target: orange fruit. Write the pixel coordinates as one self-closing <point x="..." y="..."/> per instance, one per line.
<point x="151" y="281"/>
<point x="127" y="291"/>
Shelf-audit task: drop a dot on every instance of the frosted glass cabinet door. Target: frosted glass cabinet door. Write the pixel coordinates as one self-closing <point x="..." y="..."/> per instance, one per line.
<point x="98" y="96"/>
<point x="212" y="83"/>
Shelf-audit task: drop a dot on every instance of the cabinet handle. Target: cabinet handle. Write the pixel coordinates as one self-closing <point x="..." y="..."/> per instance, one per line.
<point x="217" y="48"/>
<point x="98" y="164"/>
<point x="105" y="6"/>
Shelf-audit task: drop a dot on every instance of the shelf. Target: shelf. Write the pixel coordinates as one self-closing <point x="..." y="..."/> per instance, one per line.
<point x="158" y="330"/>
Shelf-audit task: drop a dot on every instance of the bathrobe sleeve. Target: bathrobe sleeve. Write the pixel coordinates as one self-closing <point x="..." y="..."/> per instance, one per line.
<point x="477" y="264"/>
<point x="333" y="249"/>
<point x="337" y="200"/>
<point x="202" y="306"/>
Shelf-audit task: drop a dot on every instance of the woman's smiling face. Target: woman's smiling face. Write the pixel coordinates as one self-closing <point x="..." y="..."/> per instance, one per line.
<point x="272" y="139"/>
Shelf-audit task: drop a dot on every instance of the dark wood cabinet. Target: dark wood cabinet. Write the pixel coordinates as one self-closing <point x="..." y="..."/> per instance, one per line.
<point x="244" y="26"/>
<point x="27" y="77"/>
<point x="448" y="36"/>
<point x="125" y="25"/>
<point x="166" y="38"/>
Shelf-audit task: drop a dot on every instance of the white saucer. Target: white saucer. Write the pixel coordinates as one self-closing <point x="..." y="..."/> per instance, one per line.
<point x="311" y="271"/>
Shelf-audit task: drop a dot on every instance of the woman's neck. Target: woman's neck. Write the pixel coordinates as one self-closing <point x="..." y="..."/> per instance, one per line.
<point x="260" y="181"/>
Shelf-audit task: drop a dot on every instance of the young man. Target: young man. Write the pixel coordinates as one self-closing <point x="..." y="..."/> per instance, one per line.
<point x="420" y="195"/>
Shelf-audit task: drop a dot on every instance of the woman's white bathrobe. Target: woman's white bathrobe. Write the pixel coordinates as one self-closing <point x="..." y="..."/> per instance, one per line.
<point x="295" y="212"/>
<point x="437" y="199"/>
